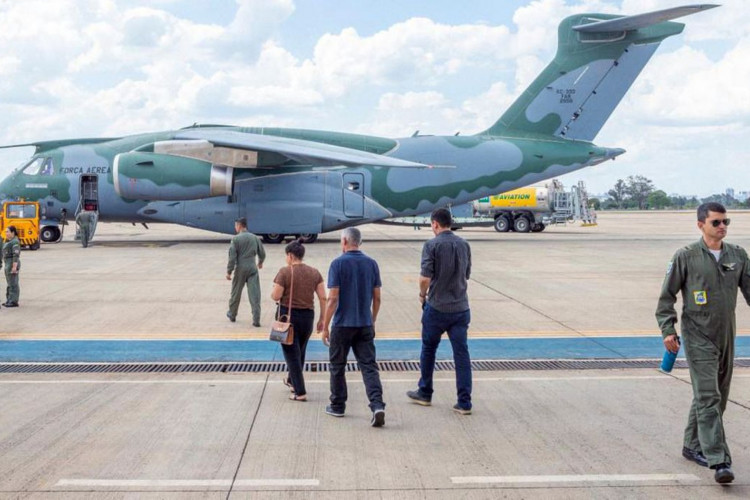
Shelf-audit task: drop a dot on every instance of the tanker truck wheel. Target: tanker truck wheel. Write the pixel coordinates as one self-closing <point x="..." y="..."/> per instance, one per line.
<point x="521" y="225"/>
<point x="502" y="224"/>
<point x="537" y="228"/>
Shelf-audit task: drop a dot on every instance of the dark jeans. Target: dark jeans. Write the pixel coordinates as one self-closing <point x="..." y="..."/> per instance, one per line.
<point x="434" y="324"/>
<point x="362" y="341"/>
<point x="302" y="322"/>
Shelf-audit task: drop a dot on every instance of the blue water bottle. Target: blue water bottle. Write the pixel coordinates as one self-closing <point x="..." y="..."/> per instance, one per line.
<point x="667" y="362"/>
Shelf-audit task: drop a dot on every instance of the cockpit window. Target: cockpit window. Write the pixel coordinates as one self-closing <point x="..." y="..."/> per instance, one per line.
<point x="33" y="166"/>
<point x="47" y="168"/>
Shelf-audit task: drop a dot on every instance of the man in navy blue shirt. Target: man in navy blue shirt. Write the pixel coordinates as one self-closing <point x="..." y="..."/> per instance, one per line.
<point x="353" y="303"/>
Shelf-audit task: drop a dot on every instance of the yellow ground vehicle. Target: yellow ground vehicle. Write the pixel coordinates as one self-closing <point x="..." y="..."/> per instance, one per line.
<point x="24" y="215"/>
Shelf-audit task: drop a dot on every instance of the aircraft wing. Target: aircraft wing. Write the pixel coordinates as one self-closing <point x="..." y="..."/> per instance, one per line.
<point x="315" y="153"/>
<point x="42" y="146"/>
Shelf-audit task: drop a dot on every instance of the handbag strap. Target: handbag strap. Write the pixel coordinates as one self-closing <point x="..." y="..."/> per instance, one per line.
<point x="291" y="292"/>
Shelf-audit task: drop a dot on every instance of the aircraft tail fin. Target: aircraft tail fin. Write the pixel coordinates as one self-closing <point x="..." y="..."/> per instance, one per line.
<point x="598" y="58"/>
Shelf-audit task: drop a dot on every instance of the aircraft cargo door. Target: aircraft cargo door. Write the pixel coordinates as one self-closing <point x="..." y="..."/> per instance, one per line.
<point x="354" y="195"/>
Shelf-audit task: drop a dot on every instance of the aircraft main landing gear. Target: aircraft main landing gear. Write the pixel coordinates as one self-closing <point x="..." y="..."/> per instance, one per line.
<point x="272" y="238"/>
<point x="279" y="238"/>
<point x="49" y="234"/>
<point x="308" y="238"/>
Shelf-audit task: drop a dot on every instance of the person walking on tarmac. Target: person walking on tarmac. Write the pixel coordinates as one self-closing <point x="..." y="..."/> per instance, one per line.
<point x="443" y="283"/>
<point x="708" y="274"/>
<point x="85" y="220"/>
<point x="244" y="249"/>
<point x="12" y="262"/>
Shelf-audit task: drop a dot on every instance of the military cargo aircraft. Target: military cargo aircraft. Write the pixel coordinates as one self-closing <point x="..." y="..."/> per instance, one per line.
<point x="305" y="182"/>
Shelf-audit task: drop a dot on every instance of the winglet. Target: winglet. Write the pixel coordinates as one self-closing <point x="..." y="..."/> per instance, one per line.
<point x="630" y="23"/>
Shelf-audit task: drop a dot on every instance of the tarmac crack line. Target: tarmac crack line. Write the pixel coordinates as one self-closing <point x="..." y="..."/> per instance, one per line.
<point x="581" y="334"/>
<point x="247" y="439"/>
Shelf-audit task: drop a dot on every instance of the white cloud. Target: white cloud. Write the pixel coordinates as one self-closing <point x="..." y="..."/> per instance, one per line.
<point x="106" y="67"/>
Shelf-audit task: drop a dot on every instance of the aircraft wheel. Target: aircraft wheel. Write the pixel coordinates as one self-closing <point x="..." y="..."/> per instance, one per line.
<point x="502" y="224"/>
<point x="537" y="228"/>
<point x="273" y="238"/>
<point x="49" y="233"/>
<point x="522" y="225"/>
<point x="309" y="237"/>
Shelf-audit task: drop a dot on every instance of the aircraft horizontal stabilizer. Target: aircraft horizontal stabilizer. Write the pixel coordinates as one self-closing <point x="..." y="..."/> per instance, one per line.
<point x="302" y="151"/>
<point x="630" y="23"/>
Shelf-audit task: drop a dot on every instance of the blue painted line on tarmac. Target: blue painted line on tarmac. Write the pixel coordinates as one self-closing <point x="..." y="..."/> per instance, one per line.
<point x="114" y="351"/>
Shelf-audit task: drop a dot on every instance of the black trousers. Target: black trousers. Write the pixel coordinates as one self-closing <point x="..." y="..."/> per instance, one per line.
<point x="362" y="341"/>
<point x="294" y="354"/>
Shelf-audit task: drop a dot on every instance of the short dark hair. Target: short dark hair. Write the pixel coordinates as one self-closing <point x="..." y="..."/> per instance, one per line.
<point x="711" y="206"/>
<point x="13" y="230"/>
<point x="241" y="221"/>
<point x="442" y="216"/>
<point x="296" y="248"/>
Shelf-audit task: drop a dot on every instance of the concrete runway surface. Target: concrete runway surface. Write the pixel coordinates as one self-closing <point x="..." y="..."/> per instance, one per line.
<point x="546" y="434"/>
<point x="168" y="282"/>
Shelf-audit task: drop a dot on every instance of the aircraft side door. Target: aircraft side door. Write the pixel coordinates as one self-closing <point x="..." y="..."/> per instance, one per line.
<point x="354" y="195"/>
<point x="89" y="191"/>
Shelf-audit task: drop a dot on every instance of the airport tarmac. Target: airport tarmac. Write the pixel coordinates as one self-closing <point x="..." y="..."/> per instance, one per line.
<point x="168" y="282"/>
<point x="559" y="434"/>
<point x="533" y="434"/>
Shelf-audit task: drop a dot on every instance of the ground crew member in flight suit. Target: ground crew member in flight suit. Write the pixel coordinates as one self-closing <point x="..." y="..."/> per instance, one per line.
<point x="243" y="251"/>
<point x="708" y="274"/>
<point x="84" y="220"/>
<point x="12" y="262"/>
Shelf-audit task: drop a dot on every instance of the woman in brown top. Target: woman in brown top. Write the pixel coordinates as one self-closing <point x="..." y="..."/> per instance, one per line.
<point x="307" y="283"/>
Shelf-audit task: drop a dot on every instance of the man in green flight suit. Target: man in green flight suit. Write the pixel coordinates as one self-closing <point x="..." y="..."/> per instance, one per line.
<point x="708" y="274"/>
<point x="85" y="219"/>
<point x="243" y="251"/>
<point x="12" y="263"/>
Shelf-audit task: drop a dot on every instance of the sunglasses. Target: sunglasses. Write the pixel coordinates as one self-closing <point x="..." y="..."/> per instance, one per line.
<point x="717" y="222"/>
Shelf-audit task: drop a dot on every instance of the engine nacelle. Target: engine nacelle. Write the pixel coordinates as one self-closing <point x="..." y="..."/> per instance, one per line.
<point x="153" y="176"/>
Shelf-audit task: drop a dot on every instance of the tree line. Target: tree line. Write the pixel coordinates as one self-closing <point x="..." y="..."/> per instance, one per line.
<point x="638" y="193"/>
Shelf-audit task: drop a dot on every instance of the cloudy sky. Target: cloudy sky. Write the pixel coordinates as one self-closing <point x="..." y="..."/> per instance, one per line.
<point x="90" y="68"/>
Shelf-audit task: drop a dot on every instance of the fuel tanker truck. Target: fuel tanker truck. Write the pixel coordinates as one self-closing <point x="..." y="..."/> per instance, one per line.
<point x="531" y="208"/>
<point x="535" y="207"/>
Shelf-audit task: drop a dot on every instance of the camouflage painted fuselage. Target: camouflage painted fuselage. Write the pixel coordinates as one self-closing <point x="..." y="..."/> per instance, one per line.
<point x="296" y="198"/>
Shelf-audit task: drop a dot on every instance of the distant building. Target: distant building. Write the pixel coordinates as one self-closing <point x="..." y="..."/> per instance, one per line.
<point x="742" y="196"/>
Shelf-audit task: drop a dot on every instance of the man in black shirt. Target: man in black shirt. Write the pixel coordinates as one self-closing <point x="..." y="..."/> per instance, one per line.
<point x="446" y="268"/>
